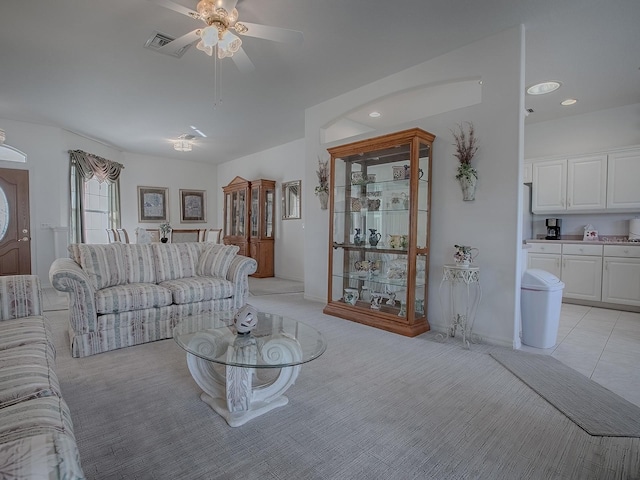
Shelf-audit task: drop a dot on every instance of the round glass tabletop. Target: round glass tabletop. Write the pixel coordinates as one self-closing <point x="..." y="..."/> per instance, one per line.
<point x="213" y="337"/>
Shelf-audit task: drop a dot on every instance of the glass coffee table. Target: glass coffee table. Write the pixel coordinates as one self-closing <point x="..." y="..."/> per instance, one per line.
<point x="246" y="375"/>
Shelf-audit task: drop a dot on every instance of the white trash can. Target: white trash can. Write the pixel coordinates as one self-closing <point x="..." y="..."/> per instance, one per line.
<point x="540" y="303"/>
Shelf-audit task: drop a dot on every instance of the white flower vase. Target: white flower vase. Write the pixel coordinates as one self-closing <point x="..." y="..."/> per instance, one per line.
<point x="468" y="184"/>
<point x="324" y="198"/>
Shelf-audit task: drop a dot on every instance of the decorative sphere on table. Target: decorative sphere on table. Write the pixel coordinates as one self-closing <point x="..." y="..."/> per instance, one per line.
<point x="246" y="319"/>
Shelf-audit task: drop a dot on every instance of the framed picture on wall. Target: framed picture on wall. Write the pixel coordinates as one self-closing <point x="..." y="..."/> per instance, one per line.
<point x="192" y="206"/>
<point x="153" y="204"/>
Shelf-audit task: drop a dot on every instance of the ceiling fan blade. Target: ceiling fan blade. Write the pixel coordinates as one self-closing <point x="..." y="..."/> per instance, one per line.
<point x="176" y="8"/>
<point x="242" y="61"/>
<point x="275" y="34"/>
<point x="180" y="42"/>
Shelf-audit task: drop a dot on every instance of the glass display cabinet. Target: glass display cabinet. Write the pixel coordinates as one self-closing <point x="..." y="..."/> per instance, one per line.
<point x="249" y="213"/>
<point x="379" y="231"/>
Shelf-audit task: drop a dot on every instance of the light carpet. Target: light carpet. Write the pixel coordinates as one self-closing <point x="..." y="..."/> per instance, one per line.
<point x="591" y="406"/>
<point x="375" y="406"/>
<point x="273" y="286"/>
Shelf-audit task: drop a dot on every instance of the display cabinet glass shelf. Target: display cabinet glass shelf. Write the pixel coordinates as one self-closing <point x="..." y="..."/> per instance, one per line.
<point x="379" y="231"/>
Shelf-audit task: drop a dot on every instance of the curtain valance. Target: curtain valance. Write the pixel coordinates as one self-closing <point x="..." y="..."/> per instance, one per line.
<point x="89" y="165"/>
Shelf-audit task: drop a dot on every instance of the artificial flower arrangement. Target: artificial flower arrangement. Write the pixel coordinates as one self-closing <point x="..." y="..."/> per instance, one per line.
<point x="466" y="145"/>
<point x="323" y="176"/>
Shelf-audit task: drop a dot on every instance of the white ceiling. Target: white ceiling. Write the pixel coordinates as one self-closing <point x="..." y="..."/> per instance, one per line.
<point x="81" y="65"/>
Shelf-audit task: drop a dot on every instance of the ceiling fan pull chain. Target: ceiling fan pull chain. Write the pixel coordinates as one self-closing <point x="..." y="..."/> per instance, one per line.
<point x="217" y="82"/>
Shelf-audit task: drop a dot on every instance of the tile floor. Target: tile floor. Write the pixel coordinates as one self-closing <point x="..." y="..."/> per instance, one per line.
<point x="602" y="344"/>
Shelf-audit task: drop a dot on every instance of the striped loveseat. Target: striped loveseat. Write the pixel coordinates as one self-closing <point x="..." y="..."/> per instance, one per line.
<point x="126" y="294"/>
<point x="36" y="433"/>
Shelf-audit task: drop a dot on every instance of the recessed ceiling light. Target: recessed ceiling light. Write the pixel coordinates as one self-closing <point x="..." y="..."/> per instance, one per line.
<point x="374" y="114"/>
<point x="542" y="88"/>
<point x="569" y="101"/>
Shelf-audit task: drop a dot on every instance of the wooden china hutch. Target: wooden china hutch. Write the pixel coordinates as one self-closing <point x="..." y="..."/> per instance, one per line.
<point x="379" y="231"/>
<point x="249" y="213"/>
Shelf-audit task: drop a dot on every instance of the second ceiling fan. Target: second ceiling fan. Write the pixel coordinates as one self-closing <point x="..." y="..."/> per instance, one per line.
<point x="221" y="19"/>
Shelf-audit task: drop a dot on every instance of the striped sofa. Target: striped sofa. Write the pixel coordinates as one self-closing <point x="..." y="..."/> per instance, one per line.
<point x="36" y="433"/>
<point x="127" y="294"/>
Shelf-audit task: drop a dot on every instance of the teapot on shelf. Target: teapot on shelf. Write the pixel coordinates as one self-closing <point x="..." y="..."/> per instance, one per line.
<point x="464" y="255"/>
<point x="397" y="241"/>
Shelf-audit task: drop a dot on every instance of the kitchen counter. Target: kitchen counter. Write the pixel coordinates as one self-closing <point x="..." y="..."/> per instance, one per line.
<point x="603" y="241"/>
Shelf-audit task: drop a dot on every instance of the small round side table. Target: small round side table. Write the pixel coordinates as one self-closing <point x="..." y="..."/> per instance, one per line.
<point x="460" y="292"/>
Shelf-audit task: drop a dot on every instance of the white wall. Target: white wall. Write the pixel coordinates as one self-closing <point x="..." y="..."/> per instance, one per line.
<point x="48" y="164"/>
<point x="490" y="223"/>
<point x="588" y="133"/>
<point x="176" y="174"/>
<point x="282" y="164"/>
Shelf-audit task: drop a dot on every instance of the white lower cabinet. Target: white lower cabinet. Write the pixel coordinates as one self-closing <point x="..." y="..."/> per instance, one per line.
<point x="582" y="271"/>
<point x="546" y="256"/>
<point x="621" y="275"/>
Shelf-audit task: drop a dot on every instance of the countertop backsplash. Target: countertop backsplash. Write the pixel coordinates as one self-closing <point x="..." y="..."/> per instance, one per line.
<point x="609" y="225"/>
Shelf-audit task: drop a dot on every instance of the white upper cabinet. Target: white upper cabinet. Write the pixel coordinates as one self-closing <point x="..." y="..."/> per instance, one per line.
<point x="587" y="183"/>
<point x="623" y="186"/>
<point x="549" y="186"/>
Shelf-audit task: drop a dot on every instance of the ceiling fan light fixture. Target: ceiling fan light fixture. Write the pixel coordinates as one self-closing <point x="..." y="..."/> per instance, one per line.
<point x="183" y="144"/>
<point x="209" y="36"/>
<point x="228" y="45"/>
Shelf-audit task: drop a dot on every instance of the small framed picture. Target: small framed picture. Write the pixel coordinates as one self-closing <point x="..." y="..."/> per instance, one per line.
<point x="192" y="206"/>
<point x="152" y="204"/>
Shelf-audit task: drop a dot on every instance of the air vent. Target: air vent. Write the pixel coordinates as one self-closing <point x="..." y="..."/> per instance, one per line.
<point x="159" y="40"/>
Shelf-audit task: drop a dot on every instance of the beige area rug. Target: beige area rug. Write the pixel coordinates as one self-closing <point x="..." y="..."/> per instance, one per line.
<point x="589" y="405"/>
<point x="375" y="406"/>
<point x="273" y="286"/>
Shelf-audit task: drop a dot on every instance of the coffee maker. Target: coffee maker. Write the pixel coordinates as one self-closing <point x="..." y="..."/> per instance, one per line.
<point x="553" y="228"/>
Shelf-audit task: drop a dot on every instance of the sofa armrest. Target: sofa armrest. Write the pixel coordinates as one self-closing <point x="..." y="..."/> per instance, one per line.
<point x="239" y="271"/>
<point x="20" y="296"/>
<point x="67" y="276"/>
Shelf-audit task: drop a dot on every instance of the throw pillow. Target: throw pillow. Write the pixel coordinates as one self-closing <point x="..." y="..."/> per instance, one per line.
<point x="216" y="260"/>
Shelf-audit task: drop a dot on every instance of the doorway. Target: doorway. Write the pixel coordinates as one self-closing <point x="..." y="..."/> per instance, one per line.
<point x="15" y="235"/>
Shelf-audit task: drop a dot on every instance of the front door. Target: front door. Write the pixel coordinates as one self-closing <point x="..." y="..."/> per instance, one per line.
<point x="15" y="237"/>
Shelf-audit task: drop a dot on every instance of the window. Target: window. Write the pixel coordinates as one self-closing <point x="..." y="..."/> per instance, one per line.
<point x="96" y="211"/>
<point x="97" y="204"/>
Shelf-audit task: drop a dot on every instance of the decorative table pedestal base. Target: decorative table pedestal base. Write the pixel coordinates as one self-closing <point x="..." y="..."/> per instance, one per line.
<point x="236" y="419"/>
<point x="245" y="368"/>
<point x="233" y="395"/>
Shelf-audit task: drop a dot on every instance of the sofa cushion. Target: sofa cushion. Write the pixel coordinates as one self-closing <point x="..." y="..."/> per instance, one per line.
<point x="175" y="260"/>
<point x="216" y="260"/>
<point x="49" y="455"/>
<point x="133" y="296"/>
<point x="139" y="263"/>
<point x="198" y="289"/>
<point x="24" y="331"/>
<point x="104" y="264"/>
<point x="35" y="416"/>
<point x="25" y="372"/>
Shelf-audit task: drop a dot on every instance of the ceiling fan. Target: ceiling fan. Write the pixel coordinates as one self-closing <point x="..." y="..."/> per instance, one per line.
<point x="221" y="18"/>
